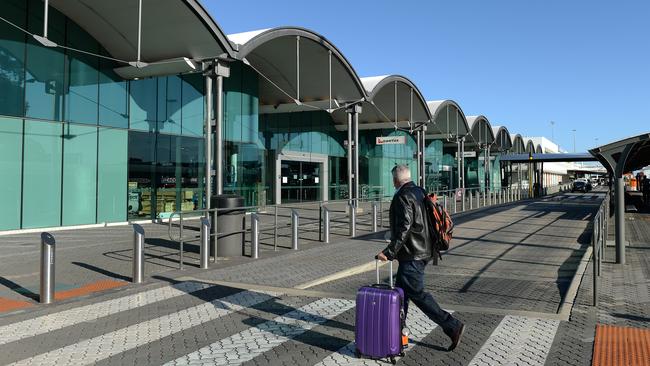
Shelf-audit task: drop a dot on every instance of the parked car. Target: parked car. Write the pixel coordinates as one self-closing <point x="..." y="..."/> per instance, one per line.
<point x="581" y="185"/>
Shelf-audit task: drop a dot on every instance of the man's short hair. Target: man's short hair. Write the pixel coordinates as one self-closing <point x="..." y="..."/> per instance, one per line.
<point x="401" y="173"/>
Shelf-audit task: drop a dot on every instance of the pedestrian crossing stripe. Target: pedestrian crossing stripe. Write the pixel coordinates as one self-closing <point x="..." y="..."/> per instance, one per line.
<point x="252" y="342"/>
<point x="47" y="323"/>
<point x="95" y="349"/>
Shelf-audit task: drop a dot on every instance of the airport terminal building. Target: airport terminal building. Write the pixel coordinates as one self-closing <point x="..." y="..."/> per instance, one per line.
<point x="111" y="111"/>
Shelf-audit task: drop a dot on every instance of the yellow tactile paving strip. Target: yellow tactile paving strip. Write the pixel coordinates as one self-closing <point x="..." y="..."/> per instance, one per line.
<point x="621" y="346"/>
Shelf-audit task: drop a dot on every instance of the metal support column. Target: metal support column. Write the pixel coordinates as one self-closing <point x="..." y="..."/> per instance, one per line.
<point x="207" y="129"/>
<point x="458" y="167"/>
<point x="620" y="220"/>
<point x="355" y="122"/>
<point x="462" y="171"/>
<point x="418" y="153"/>
<point x="353" y="219"/>
<point x="47" y="268"/>
<point x="423" y="167"/>
<point x="220" y="71"/>
<point x="349" y="155"/>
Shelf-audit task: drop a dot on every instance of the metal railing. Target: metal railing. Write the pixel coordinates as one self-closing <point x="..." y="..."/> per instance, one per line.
<point x="455" y="201"/>
<point x="599" y="242"/>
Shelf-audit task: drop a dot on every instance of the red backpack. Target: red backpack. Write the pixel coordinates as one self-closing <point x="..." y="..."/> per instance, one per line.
<point x="441" y="226"/>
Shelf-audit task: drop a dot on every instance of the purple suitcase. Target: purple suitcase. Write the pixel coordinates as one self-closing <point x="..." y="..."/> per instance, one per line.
<point x="379" y="320"/>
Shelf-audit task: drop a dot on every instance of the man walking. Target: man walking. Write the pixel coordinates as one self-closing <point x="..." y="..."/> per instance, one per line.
<point x="411" y="244"/>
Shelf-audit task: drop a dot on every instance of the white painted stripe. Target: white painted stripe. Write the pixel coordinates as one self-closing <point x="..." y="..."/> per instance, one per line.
<point x="418" y="324"/>
<point x="254" y="341"/>
<point x="517" y="340"/>
<point x="101" y="347"/>
<point x="47" y="323"/>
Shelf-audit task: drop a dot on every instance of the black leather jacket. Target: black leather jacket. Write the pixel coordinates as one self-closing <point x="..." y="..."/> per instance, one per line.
<point x="410" y="238"/>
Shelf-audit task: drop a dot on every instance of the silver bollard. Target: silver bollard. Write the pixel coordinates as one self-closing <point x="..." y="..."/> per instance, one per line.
<point x="205" y="242"/>
<point x="47" y="268"/>
<point x="138" y="254"/>
<point x="444" y="201"/>
<point x="255" y="235"/>
<point x="353" y="219"/>
<point x="374" y="217"/>
<point x="453" y="198"/>
<point x="326" y="224"/>
<point x="295" y="220"/>
<point x="471" y="200"/>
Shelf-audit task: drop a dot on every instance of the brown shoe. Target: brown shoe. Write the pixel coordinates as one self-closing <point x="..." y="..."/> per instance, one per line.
<point x="455" y="337"/>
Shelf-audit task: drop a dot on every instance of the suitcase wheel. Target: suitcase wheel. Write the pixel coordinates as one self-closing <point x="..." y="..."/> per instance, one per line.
<point x="357" y="354"/>
<point x="392" y="360"/>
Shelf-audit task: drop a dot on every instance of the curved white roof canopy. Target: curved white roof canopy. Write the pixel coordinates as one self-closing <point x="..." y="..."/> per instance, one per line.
<point x="391" y="100"/>
<point x="518" y="144"/>
<point x="502" y="139"/>
<point x="530" y="146"/>
<point x="294" y="67"/>
<point x="538" y="149"/>
<point x="449" y="119"/>
<point x="481" y="132"/>
<point x="175" y="33"/>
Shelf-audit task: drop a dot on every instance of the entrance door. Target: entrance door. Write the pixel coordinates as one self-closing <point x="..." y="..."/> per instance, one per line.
<point x="300" y="181"/>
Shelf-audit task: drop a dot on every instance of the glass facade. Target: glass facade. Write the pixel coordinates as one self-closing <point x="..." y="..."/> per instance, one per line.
<point x="79" y="145"/>
<point x="71" y="150"/>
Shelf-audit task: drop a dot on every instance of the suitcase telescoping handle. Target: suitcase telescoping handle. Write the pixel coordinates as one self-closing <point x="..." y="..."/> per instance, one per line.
<point x="390" y="267"/>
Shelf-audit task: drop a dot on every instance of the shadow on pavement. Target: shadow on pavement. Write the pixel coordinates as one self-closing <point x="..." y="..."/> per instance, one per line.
<point x="102" y="271"/>
<point x="13" y="286"/>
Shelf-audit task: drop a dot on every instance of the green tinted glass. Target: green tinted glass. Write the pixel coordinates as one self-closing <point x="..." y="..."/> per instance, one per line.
<point x="193" y="105"/>
<point x="82" y="78"/>
<point x="79" y="174"/>
<point x="112" y="163"/>
<point x="11" y="149"/>
<point x="12" y="58"/>
<point x="42" y="174"/>
<point x="143" y="104"/>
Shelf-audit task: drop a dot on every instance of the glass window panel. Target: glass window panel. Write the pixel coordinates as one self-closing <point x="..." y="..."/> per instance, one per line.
<point x="141" y="187"/>
<point x="11" y="150"/>
<point x="167" y="174"/>
<point x="113" y="97"/>
<point x="44" y="79"/>
<point x="192" y="173"/>
<point x="79" y="174"/>
<point x="112" y="175"/>
<point x="12" y="58"/>
<point x="83" y="77"/>
<point x="169" y="104"/>
<point x="232" y="99"/>
<point x="193" y="105"/>
<point x="42" y="174"/>
<point x="143" y="104"/>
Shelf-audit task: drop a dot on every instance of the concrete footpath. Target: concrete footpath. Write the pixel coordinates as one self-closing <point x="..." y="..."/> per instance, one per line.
<point x="517" y="275"/>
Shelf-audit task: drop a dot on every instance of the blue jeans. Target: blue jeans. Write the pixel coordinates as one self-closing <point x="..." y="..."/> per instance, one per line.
<point x="410" y="277"/>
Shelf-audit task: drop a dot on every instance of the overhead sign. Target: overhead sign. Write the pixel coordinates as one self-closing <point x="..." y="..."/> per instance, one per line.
<point x="392" y="140"/>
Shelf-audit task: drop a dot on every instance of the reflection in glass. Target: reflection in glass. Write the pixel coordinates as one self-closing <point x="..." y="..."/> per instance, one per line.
<point x="12" y="58"/>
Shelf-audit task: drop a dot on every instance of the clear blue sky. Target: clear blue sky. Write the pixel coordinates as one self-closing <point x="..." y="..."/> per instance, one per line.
<point x="583" y="64"/>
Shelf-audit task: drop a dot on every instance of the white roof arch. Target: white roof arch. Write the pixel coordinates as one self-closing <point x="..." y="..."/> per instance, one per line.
<point x="481" y="130"/>
<point x="294" y="64"/>
<point x="503" y="139"/>
<point x="448" y="118"/>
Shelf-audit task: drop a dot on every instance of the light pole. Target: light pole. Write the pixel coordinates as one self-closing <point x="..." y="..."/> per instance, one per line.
<point x="574" y="140"/>
<point x="552" y="131"/>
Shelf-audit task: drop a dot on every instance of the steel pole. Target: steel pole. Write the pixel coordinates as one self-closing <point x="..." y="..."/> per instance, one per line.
<point x="349" y="148"/>
<point x="462" y="170"/>
<point x="295" y="221"/>
<point x="208" y="142"/>
<point x="47" y="268"/>
<point x="374" y="217"/>
<point x="458" y="167"/>
<point x="218" y="137"/>
<point x="138" y="254"/>
<point x="205" y="242"/>
<point x="326" y="224"/>
<point x="255" y="235"/>
<point x="418" y="153"/>
<point x="356" y="158"/>
<point x="353" y="219"/>
<point x="620" y="220"/>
